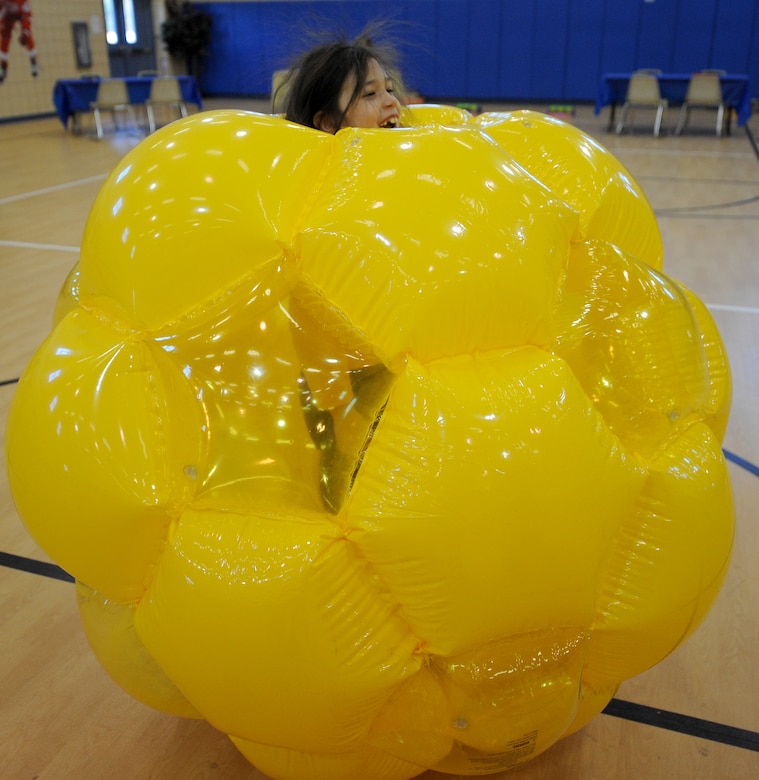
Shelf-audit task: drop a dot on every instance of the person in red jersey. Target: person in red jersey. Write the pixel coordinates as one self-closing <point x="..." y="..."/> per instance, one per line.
<point x="13" y="12"/>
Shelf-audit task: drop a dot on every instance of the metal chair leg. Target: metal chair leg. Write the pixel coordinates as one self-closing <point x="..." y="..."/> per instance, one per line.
<point x="133" y="119"/>
<point x="657" y="123"/>
<point x="682" y="119"/>
<point x="622" y="118"/>
<point x="98" y="123"/>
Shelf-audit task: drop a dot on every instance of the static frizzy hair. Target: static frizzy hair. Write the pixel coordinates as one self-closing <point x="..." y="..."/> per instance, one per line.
<point x="313" y="83"/>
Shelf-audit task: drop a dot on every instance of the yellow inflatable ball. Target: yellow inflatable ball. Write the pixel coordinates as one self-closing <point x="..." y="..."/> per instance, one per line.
<point x="382" y="451"/>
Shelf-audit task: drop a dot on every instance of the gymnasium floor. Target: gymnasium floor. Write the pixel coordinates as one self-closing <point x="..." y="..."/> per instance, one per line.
<point x="694" y="716"/>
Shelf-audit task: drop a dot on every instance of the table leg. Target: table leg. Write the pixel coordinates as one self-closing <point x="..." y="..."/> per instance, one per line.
<point x="612" y="112"/>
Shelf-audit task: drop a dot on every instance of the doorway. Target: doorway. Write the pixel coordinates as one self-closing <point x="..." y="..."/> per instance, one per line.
<point x="129" y="35"/>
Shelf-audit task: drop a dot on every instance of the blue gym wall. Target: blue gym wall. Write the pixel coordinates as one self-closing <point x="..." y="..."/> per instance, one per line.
<point x="492" y="49"/>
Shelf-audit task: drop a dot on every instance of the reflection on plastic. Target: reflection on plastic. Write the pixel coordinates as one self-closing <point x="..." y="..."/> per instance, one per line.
<point x="381" y="451"/>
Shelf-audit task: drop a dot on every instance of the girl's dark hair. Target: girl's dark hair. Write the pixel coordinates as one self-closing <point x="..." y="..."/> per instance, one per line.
<point x="313" y="83"/>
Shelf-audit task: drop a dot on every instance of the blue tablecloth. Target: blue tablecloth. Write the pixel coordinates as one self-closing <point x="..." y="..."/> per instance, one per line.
<point x="613" y="89"/>
<point x="73" y="96"/>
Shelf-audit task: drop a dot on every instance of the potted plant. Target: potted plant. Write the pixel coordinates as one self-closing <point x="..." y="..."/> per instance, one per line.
<point x="186" y="33"/>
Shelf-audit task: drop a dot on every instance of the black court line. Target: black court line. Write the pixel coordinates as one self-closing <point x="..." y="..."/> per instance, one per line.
<point x="618" y="708"/>
<point x="34" y="567"/>
<point x="664" y="214"/>
<point x="700" y="180"/>
<point x="684" y="724"/>
<point x="8" y="381"/>
<point x="696" y="212"/>
<point x="708" y="206"/>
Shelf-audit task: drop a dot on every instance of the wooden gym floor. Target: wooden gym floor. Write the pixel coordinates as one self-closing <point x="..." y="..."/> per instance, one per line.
<point x="694" y="716"/>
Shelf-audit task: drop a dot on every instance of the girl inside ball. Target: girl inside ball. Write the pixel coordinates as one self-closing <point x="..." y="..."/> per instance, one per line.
<point x="344" y="84"/>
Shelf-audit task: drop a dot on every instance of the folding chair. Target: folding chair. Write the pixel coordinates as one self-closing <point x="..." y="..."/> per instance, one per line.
<point x="704" y="91"/>
<point x="643" y="92"/>
<point x="279" y="87"/>
<point x="112" y="95"/>
<point x="164" y="91"/>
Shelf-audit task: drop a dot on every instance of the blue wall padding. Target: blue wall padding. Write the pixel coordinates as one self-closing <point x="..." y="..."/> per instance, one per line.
<point x="491" y="49"/>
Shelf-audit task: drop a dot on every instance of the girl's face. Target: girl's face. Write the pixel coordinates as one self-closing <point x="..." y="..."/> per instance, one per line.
<point x="375" y="105"/>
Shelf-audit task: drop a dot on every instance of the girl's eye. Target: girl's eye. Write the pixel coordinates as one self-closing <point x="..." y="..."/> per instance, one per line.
<point x="368" y="94"/>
